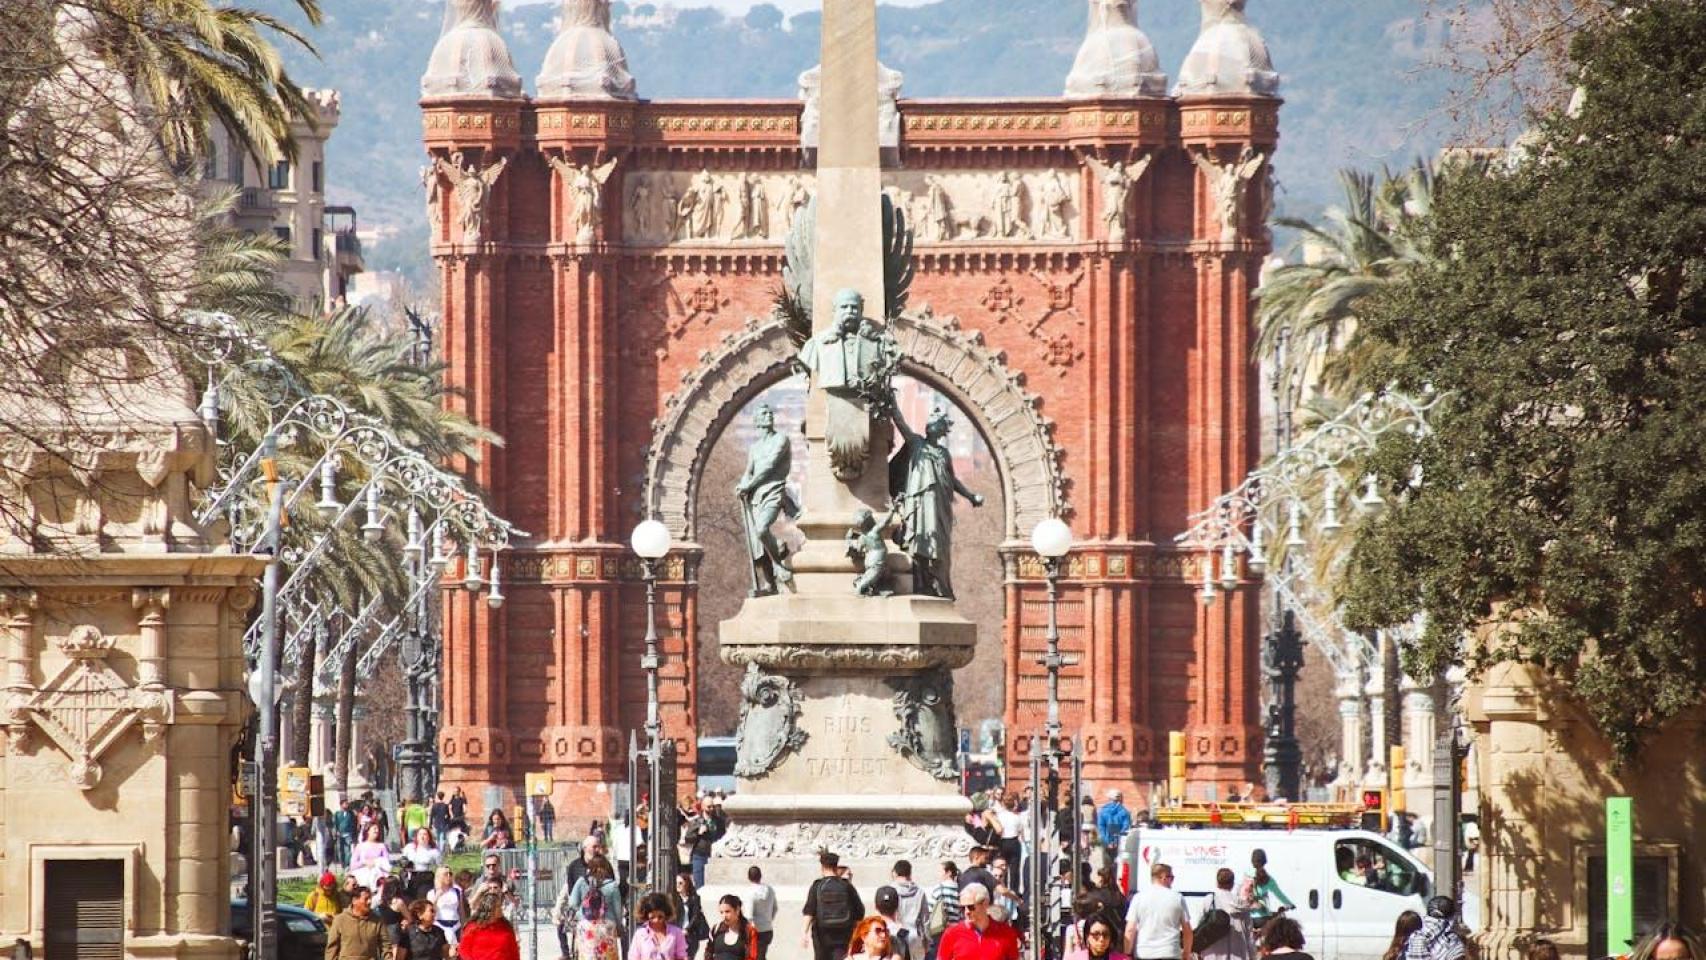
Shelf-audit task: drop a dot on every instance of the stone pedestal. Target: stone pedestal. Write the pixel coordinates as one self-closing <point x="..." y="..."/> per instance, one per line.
<point x="867" y="681"/>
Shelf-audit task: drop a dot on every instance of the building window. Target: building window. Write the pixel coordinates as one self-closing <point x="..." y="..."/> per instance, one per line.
<point x="283" y="234"/>
<point x="319" y="177"/>
<point x="86" y="920"/>
<point x="278" y="177"/>
<point x="319" y="244"/>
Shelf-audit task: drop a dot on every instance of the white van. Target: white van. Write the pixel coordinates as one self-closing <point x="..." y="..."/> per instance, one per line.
<point x="1342" y="919"/>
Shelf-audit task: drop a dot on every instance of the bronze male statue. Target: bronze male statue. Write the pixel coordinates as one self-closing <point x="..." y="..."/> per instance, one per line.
<point x="921" y="478"/>
<point x="763" y="493"/>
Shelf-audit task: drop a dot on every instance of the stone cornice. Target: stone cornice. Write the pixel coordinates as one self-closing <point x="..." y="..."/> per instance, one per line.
<point x="773" y="126"/>
<point x="1105" y="561"/>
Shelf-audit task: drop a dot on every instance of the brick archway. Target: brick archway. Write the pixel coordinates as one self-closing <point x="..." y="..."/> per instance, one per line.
<point x="937" y="351"/>
<point x="1105" y="352"/>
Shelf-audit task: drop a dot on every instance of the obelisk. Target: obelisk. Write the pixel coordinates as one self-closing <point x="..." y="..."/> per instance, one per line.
<point x="848" y="256"/>
<point x="847" y="729"/>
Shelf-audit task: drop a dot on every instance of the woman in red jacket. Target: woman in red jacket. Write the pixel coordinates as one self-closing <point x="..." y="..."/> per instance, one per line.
<point x="487" y="935"/>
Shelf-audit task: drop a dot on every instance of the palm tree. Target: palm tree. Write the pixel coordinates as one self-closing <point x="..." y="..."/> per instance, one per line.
<point x="1306" y="315"/>
<point x="198" y="61"/>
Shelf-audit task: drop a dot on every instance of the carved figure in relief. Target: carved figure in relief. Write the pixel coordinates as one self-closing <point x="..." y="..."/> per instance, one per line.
<point x="927" y="738"/>
<point x="1007" y="207"/>
<point x="701" y="207"/>
<point x="434" y="197"/>
<point x="1054" y="201"/>
<point x="867" y="548"/>
<point x="1117" y="180"/>
<point x="921" y="478"/>
<point x="799" y="197"/>
<point x="941" y="217"/>
<point x="640" y="202"/>
<point x="764" y="497"/>
<point x="473" y="188"/>
<point x="586" y="190"/>
<point x="753" y="207"/>
<point x="672" y="202"/>
<point x="769" y="722"/>
<point x="1228" y="182"/>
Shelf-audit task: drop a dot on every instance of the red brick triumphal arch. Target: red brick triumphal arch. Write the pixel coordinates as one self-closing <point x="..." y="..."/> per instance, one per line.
<point x="1094" y="322"/>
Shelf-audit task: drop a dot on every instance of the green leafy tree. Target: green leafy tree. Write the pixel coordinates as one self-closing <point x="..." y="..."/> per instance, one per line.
<point x="1562" y="521"/>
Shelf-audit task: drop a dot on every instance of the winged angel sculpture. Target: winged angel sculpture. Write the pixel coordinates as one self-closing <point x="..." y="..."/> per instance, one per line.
<point x="1117" y="179"/>
<point x="470" y="184"/>
<point x="585" y="183"/>
<point x="1229" y="181"/>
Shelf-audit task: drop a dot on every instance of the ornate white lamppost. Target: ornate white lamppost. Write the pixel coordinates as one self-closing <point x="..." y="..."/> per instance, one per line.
<point x="651" y="542"/>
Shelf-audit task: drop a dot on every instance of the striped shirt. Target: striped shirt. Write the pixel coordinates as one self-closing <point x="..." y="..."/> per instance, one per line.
<point x="948" y="891"/>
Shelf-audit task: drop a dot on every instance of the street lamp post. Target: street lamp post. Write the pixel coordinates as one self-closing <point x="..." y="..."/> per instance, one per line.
<point x="1282" y="757"/>
<point x="1052" y="539"/>
<point x="263" y="868"/>
<point x="418" y="656"/>
<point x="651" y="542"/>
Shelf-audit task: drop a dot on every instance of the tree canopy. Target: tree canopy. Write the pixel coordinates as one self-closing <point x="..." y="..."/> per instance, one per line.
<point x="1562" y="521"/>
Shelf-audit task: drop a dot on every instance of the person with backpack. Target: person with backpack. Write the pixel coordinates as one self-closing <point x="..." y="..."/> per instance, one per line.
<point x="913" y="909"/>
<point x="944" y="907"/>
<point x="902" y="942"/>
<point x="832" y="910"/>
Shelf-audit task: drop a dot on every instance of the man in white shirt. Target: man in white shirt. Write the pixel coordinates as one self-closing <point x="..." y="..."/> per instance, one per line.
<point x="761" y="910"/>
<point x="1157" y="925"/>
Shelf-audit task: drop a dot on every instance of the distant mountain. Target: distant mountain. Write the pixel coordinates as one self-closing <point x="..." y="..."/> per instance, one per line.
<point x="1354" y="88"/>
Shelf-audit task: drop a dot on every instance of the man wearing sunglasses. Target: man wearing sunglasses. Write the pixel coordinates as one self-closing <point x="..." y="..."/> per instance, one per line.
<point x="978" y="936"/>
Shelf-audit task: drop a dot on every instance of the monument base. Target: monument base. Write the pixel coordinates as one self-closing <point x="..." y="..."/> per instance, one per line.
<point x="847" y="744"/>
<point x="786" y="851"/>
<point x="842" y="631"/>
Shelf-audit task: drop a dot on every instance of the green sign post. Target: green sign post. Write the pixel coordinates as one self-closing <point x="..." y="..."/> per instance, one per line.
<point x="1619" y="875"/>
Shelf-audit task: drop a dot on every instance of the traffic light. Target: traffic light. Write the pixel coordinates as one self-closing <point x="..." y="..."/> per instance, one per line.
<point x="1374" y="810"/>
<point x="1176" y="767"/>
<point x="316" y="796"/>
<point x="1396" y="801"/>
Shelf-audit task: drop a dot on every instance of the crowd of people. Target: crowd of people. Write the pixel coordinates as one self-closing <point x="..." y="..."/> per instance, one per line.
<point x="398" y="901"/>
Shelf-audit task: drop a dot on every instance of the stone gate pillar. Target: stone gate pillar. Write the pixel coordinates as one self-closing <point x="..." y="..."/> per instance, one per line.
<point x="1229" y="134"/>
<point x="472" y="123"/>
